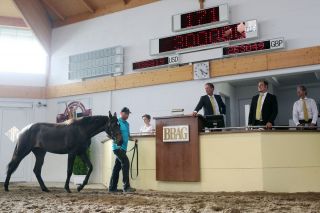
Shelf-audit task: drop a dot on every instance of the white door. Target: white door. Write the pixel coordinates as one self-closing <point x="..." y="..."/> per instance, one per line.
<point x="244" y="107"/>
<point x="12" y="120"/>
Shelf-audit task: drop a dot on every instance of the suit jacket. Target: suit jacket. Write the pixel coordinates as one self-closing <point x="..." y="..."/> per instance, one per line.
<point x="269" y="110"/>
<point x="207" y="106"/>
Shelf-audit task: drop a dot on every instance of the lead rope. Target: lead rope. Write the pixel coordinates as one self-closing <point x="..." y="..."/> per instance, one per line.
<point x="135" y="149"/>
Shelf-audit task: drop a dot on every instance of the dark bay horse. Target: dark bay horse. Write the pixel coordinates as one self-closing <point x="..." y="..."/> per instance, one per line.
<point x="72" y="137"/>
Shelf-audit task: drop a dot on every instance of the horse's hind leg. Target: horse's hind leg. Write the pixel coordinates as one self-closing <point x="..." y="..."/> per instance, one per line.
<point x="71" y="158"/>
<point x="17" y="157"/>
<point x="39" y="154"/>
<point x="87" y="161"/>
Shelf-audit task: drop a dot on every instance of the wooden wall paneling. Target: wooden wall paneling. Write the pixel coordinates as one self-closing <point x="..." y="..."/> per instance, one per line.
<point x="317" y="60"/>
<point x="222" y="67"/>
<point x="79" y="88"/>
<point x="161" y="76"/>
<point x="253" y="63"/>
<point x="30" y="92"/>
<point x="293" y="58"/>
<point x="100" y="85"/>
<point x="238" y="65"/>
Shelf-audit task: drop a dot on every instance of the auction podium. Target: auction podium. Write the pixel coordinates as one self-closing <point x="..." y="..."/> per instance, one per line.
<point x="177" y="148"/>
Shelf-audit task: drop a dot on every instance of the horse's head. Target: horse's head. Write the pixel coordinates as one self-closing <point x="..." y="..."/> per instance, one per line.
<point x="113" y="128"/>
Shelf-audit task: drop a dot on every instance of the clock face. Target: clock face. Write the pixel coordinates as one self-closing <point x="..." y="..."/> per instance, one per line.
<point x="201" y="70"/>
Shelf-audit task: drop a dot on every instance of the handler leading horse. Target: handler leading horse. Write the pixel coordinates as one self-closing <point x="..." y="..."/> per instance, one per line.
<point x="71" y="137"/>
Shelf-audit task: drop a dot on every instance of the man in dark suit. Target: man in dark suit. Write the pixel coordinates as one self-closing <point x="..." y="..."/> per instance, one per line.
<point x="211" y="104"/>
<point x="264" y="107"/>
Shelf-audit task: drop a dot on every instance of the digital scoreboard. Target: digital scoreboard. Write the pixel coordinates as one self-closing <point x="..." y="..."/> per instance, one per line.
<point x="266" y="45"/>
<point x="200" y="18"/>
<point x="205" y="38"/>
<point x="156" y="63"/>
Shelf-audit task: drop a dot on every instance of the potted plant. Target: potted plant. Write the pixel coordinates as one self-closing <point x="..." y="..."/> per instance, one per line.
<point x="80" y="169"/>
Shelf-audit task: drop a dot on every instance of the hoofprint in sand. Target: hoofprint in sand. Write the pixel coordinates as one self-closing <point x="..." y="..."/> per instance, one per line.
<point x="28" y="198"/>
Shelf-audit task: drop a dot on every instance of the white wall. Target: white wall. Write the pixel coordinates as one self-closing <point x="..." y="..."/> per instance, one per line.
<point x="294" y="19"/>
<point x="23" y="79"/>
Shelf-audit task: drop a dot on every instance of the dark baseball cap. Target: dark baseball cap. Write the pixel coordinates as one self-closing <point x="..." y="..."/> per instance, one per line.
<point x="125" y="110"/>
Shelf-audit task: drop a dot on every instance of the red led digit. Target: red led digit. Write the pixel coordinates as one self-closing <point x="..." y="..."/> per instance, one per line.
<point x="199" y="17"/>
<point x="202" y="38"/>
<point x="261" y="46"/>
<point x="189" y="20"/>
<point x="178" y="42"/>
<point x="214" y="15"/>
<point x="189" y="40"/>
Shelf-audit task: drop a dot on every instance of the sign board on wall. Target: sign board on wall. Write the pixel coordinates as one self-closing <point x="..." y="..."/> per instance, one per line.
<point x="266" y="45"/>
<point x="156" y="63"/>
<point x="206" y="38"/>
<point x="179" y="133"/>
<point x="200" y="18"/>
<point x="108" y="61"/>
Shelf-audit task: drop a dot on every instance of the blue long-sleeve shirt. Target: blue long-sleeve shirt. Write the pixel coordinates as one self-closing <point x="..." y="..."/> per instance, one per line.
<point x="125" y="132"/>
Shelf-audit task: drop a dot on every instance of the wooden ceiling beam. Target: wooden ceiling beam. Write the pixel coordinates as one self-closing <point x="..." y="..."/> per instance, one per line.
<point x="201" y="4"/>
<point x="110" y="8"/>
<point x="13" y="22"/>
<point x="88" y="6"/>
<point x="53" y="9"/>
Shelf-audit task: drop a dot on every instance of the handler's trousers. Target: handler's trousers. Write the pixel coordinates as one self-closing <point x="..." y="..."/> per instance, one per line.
<point x="121" y="163"/>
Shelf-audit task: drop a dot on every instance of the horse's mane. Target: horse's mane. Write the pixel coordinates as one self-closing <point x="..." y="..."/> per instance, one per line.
<point x="86" y="120"/>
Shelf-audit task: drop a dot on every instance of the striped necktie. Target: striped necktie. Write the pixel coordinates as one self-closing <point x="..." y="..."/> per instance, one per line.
<point x="258" y="110"/>
<point x="213" y="105"/>
<point x="305" y="110"/>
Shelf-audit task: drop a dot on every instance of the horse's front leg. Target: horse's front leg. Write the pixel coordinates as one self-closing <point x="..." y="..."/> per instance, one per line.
<point x="71" y="158"/>
<point x="87" y="161"/>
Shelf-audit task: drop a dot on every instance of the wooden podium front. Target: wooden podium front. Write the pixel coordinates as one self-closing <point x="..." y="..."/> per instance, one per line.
<point x="178" y="160"/>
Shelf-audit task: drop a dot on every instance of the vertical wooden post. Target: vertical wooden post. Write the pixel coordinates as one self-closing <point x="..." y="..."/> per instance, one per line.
<point x="201" y="4"/>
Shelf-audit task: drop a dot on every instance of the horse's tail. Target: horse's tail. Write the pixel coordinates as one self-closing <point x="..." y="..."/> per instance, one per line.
<point x="13" y="160"/>
<point x="20" y="151"/>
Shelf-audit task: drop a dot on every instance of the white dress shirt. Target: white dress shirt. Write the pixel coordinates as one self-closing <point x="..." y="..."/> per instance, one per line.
<point x="146" y="129"/>
<point x="216" y="110"/>
<point x="298" y="114"/>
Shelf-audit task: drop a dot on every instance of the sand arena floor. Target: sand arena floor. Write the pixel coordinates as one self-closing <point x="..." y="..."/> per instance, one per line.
<point x="29" y="198"/>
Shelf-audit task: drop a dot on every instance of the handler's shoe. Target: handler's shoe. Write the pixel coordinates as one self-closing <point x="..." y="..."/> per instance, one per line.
<point x="114" y="191"/>
<point x="129" y="190"/>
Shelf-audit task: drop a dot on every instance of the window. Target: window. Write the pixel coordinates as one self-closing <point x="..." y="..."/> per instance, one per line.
<point x="20" y="52"/>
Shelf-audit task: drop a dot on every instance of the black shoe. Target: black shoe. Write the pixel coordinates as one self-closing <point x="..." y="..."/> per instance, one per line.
<point x="129" y="190"/>
<point x="114" y="191"/>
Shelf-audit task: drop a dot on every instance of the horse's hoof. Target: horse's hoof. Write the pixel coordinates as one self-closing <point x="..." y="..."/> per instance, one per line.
<point x="79" y="188"/>
<point x="45" y="190"/>
<point x="68" y="190"/>
<point x="6" y="189"/>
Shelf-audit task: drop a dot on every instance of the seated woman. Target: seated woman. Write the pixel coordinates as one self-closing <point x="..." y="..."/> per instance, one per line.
<point x="147" y="128"/>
